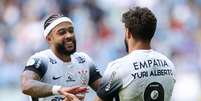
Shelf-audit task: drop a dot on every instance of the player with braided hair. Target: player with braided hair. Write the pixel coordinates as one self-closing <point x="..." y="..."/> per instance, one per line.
<point x="59" y="71"/>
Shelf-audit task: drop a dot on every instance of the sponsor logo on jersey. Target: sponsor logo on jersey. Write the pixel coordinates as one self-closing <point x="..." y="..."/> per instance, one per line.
<point x="55" y="78"/>
<point x="80" y="59"/>
<point x="111" y="79"/>
<point x="57" y="99"/>
<point x="70" y="78"/>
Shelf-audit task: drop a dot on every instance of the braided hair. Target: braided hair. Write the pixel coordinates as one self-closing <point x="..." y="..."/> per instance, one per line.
<point x="50" y="19"/>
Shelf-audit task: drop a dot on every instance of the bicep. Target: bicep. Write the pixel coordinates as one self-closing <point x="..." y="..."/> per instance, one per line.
<point x="95" y="84"/>
<point x="30" y="79"/>
<point x="34" y="71"/>
<point x="32" y="86"/>
<point x="28" y="76"/>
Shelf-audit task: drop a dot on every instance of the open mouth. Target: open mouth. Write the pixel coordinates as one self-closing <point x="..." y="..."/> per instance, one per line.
<point x="69" y="44"/>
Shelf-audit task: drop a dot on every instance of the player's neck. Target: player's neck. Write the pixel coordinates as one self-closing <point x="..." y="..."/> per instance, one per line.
<point x="62" y="57"/>
<point x="139" y="46"/>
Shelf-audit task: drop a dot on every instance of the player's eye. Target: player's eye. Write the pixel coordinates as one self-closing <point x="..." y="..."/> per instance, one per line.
<point x="62" y="31"/>
<point x="70" y="30"/>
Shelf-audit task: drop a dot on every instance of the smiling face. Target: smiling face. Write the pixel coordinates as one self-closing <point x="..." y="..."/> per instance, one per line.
<point x="62" y="38"/>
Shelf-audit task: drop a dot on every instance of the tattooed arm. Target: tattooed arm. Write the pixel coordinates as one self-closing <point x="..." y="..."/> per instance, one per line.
<point x="32" y="86"/>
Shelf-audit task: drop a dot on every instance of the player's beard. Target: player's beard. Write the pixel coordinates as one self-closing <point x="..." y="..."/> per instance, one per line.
<point x="64" y="50"/>
<point x="126" y="45"/>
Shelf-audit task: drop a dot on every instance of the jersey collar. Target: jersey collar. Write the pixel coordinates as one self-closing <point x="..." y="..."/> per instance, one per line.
<point x="59" y="60"/>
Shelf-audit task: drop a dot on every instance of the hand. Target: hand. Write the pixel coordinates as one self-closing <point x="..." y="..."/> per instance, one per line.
<point x="69" y="91"/>
<point x="71" y="97"/>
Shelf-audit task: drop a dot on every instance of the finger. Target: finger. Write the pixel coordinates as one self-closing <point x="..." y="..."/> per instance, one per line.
<point x="66" y="99"/>
<point x="80" y="96"/>
<point x="84" y="89"/>
<point x="69" y="97"/>
<point x="80" y="90"/>
<point x="74" y="90"/>
<point x="72" y="97"/>
<point x="71" y="89"/>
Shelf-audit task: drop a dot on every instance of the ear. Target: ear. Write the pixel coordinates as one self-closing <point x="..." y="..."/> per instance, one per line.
<point x="128" y="34"/>
<point x="49" y="39"/>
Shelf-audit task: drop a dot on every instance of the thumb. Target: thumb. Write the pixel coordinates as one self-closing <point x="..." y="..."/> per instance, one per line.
<point x="71" y="97"/>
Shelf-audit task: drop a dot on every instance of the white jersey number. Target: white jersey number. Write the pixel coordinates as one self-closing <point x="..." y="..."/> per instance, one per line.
<point x="154" y="92"/>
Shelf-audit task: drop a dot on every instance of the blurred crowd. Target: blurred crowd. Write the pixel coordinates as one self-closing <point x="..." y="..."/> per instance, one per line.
<point x="99" y="33"/>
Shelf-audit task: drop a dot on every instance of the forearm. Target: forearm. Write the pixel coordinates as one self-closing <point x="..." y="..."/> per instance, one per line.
<point x="36" y="88"/>
<point x="97" y="99"/>
<point x="95" y="85"/>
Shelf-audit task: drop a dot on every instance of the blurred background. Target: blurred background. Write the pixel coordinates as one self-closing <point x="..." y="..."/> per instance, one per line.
<point x="99" y="33"/>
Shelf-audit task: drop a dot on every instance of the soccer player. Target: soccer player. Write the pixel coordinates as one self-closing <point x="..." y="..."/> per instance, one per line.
<point x="144" y="74"/>
<point x="59" y="71"/>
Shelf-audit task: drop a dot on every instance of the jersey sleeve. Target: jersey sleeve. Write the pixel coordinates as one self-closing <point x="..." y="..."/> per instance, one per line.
<point x="110" y="84"/>
<point x="36" y="64"/>
<point x="94" y="74"/>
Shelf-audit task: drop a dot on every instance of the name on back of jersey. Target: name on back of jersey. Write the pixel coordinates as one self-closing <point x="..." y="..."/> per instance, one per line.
<point x="150" y="68"/>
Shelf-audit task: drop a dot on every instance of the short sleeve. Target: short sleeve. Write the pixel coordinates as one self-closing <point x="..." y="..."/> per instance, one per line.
<point x="36" y="64"/>
<point x="110" y="84"/>
<point x="94" y="74"/>
<point x="83" y="58"/>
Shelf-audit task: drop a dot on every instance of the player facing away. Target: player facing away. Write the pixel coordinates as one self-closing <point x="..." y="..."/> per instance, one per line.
<point x="144" y="74"/>
<point x="52" y="74"/>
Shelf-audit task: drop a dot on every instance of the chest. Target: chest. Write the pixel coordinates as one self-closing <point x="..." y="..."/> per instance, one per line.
<point x="67" y="74"/>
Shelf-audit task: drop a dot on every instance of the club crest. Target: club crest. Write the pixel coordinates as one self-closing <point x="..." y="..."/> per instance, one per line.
<point x="83" y="77"/>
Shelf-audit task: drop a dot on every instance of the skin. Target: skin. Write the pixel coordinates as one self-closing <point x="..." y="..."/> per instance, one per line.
<point x="62" y="34"/>
<point x="134" y="44"/>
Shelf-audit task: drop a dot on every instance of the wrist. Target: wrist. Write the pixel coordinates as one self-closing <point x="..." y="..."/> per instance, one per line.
<point x="55" y="89"/>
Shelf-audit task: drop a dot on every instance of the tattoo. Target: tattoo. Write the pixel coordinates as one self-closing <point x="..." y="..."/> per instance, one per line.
<point x="32" y="86"/>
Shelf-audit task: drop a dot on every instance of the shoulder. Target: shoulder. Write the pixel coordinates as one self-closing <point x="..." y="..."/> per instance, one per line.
<point x="41" y="56"/>
<point x="37" y="63"/>
<point x="82" y="57"/>
<point x="81" y="54"/>
<point x="118" y="62"/>
<point x="162" y="56"/>
<point x="116" y="65"/>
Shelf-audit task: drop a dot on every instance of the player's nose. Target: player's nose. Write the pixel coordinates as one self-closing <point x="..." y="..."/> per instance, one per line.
<point x="69" y="36"/>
